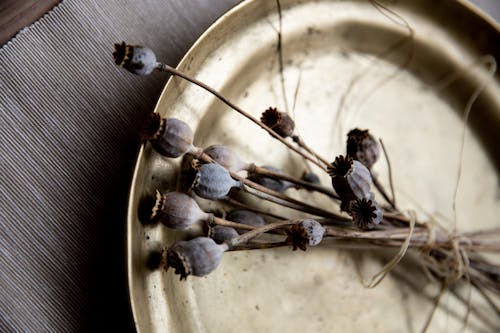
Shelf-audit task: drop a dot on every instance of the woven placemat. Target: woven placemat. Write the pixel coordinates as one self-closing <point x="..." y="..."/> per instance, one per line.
<point x="69" y="121"/>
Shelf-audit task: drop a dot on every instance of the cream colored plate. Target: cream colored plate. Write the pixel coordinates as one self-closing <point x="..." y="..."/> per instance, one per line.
<point x="348" y="60"/>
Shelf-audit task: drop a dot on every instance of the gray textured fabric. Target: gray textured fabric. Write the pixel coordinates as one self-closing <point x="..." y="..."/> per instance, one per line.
<point x="69" y="121"/>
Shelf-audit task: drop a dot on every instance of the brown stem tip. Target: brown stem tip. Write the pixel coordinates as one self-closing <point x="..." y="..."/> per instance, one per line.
<point x="280" y="122"/>
<point x="362" y="146"/>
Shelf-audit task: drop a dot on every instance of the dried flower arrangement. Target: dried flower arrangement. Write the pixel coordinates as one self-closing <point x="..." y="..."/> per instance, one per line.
<point x="215" y="173"/>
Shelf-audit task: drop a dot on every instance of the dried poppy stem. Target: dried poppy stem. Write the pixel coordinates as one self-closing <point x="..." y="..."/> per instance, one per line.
<point x="419" y="239"/>
<point x="280" y="55"/>
<point x="239" y="204"/>
<point x="479" y="233"/>
<point x="237" y="241"/>
<point x="252" y="168"/>
<point x="491" y="247"/>
<point x="259" y="246"/>
<point x="231" y="224"/>
<point x="304" y="184"/>
<point x="276" y="197"/>
<point x="236" y="225"/>
<point x="400" y="218"/>
<point x="300" y="142"/>
<point x="382" y="191"/>
<point x="284" y="203"/>
<point x="389" y="170"/>
<point x="173" y="71"/>
<point x="284" y="198"/>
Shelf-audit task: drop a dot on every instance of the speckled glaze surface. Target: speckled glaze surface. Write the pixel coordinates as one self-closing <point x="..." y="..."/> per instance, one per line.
<point x="346" y="64"/>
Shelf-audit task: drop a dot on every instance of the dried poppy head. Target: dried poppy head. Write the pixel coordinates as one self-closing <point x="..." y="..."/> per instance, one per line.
<point x="177" y="210"/>
<point x="362" y="146"/>
<point x="308" y="232"/>
<point x="365" y="213"/>
<point x="220" y="233"/>
<point x="280" y="122"/>
<point x="170" y="137"/>
<point x="350" y="179"/>
<point x="246" y="217"/>
<point x="277" y="185"/>
<point x="225" y="157"/>
<point x="136" y="59"/>
<point x="197" y="257"/>
<point x="214" y="182"/>
<point x="310" y="177"/>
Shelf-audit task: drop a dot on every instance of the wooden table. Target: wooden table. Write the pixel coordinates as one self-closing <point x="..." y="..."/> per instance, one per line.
<point x="17" y="14"/>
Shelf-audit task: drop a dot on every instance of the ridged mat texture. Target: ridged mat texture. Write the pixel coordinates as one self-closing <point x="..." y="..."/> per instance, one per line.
<point x="69" y="138"/>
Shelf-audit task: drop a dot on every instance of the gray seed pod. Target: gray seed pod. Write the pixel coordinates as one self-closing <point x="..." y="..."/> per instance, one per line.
<point x="277" y="185"/>
<point x="197" y="257"/>
<point x="314" y="231"/>
<point x="362" y="146"/>
<point x="214" y="182"/>
<point x="136" y="59"/>
<point x="365" y="213"/>
<point x="170" y="137"/>
<point x="310" y="177"/>
<point x="246" y="217"/>
<point x="220" y="233"/>
<point x="225" y="157"/>
<point x="308" y="232"/>
<point x="280" y="122"/>
<point x="177" y="210"/>
<point x="350" y="179"/>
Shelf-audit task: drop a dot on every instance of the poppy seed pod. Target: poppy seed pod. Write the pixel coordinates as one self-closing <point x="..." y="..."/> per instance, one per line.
<point x="214" y="182"/>
<point x="310" y="177"/>
<point x="362" y="146"/>
<point x="350" y="179"/>
<point x="198" y="256"/>
<point x="365" y="213"/>
<point x="220" y="233"/>
<point x="280" y="122"/>
<point x="277" y="185"/>
<point x="308" y="232"/>
<point x="170" y="137"/>
<point x="225" y="157"/>
<point x="177" y="210"/>
<point x="136" y="59"/>
<point x="246" y="217"/>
